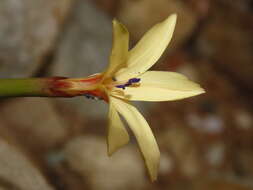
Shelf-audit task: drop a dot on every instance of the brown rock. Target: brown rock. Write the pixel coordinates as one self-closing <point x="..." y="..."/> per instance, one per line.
<point x="227" y="39"/>
<point x="87" y="156"/>
<point x="139" y="16"/>
<point x="178" y="142"/>
<point x="109" y="6"/>
<point x="28" y="30"/>
<point x="36" y="120"/>
<point x="220" y="184"/>
<point x="17" y="172"/>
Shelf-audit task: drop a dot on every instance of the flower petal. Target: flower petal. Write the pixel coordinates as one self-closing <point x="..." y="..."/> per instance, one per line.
<point x="148" y="50"/>
<point x="170" y="80"/>
<point x="143" y="134"/>
<point x="119" y="51"/>
<point x="117" y="134"/>
<point x="160" y="86"/>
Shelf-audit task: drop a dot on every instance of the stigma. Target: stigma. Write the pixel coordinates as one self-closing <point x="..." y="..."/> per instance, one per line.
<point x="129" y="83"/>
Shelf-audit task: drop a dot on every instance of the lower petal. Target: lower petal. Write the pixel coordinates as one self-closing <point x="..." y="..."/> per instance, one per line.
<point x="117" y="134"/>
<point x="143" y="134"/>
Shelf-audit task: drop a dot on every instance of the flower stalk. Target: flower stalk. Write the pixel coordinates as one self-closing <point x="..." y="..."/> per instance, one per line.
<point x="47" y="87"/>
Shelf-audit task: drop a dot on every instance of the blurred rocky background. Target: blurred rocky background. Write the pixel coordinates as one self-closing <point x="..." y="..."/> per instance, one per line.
<point x="206" y="141"/>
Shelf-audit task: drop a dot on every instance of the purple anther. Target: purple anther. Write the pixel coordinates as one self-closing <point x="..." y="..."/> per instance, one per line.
<point x="123" y="86"/>
<point x="129" y="83"/>
<point x="134" y="80"/>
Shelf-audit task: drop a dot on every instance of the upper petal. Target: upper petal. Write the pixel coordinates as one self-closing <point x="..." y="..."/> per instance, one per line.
<point x="117" y="134"/>
<point x="160" y="86"/>
<point x="120" y="43"/>
<point x="149" y="49"/>
<point x="143" y="134"/>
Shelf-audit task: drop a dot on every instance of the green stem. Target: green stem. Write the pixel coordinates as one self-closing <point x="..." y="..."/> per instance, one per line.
<point x="24" y="87"/>
<point x="40" y="87"/>
<point x="49" y="87"/>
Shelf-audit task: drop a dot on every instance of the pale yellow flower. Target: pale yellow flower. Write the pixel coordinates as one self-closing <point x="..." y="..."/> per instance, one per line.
<point x="147" y="86"/>
<point x="127" y="78"/>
